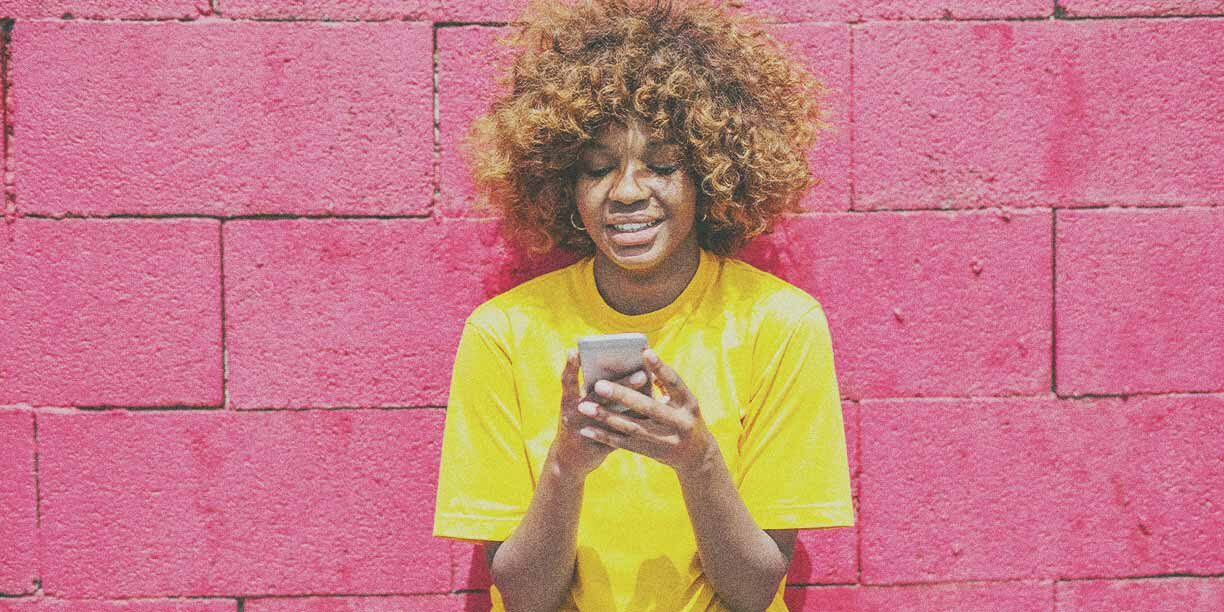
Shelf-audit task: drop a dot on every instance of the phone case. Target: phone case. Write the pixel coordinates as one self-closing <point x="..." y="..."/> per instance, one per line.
<point x="610" y="357"/>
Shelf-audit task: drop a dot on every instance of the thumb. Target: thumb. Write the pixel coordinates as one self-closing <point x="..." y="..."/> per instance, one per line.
<point x="569" y="377"/>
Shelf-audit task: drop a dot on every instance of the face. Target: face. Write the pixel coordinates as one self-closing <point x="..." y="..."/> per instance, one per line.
<point x="636" y="198"/>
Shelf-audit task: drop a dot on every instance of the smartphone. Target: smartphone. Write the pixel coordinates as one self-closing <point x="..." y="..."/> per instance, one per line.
<point x="611" y="357"/>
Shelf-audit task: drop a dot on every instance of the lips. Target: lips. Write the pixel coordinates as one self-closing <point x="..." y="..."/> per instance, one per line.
<point x="633" y="227"/>
<point x="633" y="232"/>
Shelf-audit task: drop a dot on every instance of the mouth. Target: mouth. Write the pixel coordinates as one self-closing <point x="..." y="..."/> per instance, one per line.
<point x="635" y="233"/>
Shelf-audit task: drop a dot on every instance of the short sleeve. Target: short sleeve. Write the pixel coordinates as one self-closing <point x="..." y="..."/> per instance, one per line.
<point x="793" y="471"/>
<point x="484" y="482"/>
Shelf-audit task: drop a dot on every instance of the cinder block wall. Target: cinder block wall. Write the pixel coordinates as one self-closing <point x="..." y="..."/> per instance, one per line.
<point x="237" y="249"/>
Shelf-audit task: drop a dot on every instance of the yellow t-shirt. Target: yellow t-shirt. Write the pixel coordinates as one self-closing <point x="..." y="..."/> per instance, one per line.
<point x="755" y="351"/>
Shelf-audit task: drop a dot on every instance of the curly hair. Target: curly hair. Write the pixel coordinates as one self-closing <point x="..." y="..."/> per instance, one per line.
<point x="744" y="113"/>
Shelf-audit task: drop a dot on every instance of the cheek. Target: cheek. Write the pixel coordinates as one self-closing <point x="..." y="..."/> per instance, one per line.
<point x="585" y="195"/>
<point x="683" y="199"/>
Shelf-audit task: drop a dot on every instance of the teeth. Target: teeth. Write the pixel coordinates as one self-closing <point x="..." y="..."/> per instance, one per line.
<point x="632" y="227"/>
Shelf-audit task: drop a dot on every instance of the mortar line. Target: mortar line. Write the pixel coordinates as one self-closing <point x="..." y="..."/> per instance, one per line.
<point x="58" y="409"/>
<point x="225" y="398"/>
<point x="853" y="126"/>
<point x="38" y="568"/>
<point x="249" y="217"/>
<point x="8" y="209"/>
<point x="434" y="207"/>
<point x="1054" y="301"/>
<point x="858" y="458"/>
<point x="435" y="178"/>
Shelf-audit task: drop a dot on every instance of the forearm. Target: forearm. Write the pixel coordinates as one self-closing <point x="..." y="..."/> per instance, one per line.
<point x="534" y="567"/>
<point x="741" y="561"/>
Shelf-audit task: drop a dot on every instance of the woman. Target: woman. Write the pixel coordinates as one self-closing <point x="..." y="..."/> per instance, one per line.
<point x="654" y="140"/>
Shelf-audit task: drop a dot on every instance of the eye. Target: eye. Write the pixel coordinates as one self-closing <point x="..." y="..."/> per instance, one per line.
<point x="663" y="170"/>
<point x="598" y="172"/>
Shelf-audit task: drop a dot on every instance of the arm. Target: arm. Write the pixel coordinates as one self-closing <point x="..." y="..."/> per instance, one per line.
<point x="533" y="568"/>
<point x="743" y="563"/>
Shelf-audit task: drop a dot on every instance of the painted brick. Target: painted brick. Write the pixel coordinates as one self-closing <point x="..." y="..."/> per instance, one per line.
<point x="857" y="10"/>
<point x="468" y="567"/>
<point x="160" y="605"/>
<point x="469" y="58"/>
<point x="1139" y="300"/>
<point x="366" y="312"/>
<point x="1157" y="595"/>
<point x="1154" y="8"/>
<point x="1038" y="113"/>
<point x="925" y="304"/>
<point x="424" y="10"/>
<point x="118" y="312"/>
<point x="18" y="503"/>
<point x="825" y="49"/>
<point x="1005" y="489"/>
<point x="1012" y="596"/>
<point x="225" y="503"/>
<point x="223" y="117"/>
<point x="831" y="555"/>
<point x="459" y="602"/>
<point x="105" y="9"/>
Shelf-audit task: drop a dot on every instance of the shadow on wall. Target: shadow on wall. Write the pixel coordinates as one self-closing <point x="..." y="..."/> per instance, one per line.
<point x="516" y="265"/>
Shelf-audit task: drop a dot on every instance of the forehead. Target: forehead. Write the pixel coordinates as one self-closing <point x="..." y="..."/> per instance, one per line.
<point x="646" y="146"/>
<point x="616" y="137"/>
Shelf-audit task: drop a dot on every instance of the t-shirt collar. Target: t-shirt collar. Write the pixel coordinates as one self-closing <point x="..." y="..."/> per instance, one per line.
<point x="606" y="318"/>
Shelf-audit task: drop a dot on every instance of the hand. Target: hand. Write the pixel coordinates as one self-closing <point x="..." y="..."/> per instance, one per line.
<point x="670" y="430"/>
<point x="572" y="454"/>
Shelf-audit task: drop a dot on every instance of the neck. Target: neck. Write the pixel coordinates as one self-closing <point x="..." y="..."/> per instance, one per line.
<point x="635" y="292"/>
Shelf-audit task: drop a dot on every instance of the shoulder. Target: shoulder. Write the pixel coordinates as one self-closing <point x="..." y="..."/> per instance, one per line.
<point x="772" y="301"/>
<point x="533" y="301"/>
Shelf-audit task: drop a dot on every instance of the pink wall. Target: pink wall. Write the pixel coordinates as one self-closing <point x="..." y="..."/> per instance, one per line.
<point x="235" y="259"/>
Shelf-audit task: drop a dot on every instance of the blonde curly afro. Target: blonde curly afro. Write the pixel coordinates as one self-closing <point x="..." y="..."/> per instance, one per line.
<point x="694" y="73"/>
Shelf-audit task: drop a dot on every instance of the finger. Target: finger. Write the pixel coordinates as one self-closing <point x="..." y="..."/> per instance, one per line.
<point x="677" y="392"/>
<point x="636" y="401"/>
<point x="569" y="378"/>
<point x="634" y="380"/>
<point x="621" y="423"/>
<point x="579" y="418"/>
<point x="604" y="436"/>
<point x="638" y="381"/>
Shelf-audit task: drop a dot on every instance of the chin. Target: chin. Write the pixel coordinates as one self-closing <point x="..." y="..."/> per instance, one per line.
<point x="646" y="257"/>
<point x="638" y="258"/>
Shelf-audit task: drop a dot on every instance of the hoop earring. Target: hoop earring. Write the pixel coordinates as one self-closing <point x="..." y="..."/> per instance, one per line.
<point x="573" y="223"/>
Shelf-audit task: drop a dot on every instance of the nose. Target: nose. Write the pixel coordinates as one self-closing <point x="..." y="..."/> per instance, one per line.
<point x="628" y="189"/>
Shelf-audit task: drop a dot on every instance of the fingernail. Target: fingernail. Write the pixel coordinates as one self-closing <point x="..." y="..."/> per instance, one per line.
<point x="587" y="431"/>
<point x="603" y="387"/>
<point x="587" y="408"/>
<point x="650" y="355"/>
<point x="638" y="378"/>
